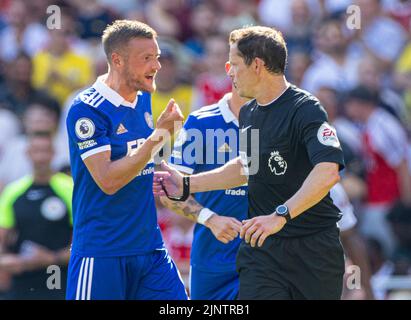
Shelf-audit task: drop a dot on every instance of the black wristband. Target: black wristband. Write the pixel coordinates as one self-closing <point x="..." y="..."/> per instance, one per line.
<point x="186" y="190"/>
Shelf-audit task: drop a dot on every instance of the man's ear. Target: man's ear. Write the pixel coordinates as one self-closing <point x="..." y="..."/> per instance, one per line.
<point x="116" y="60"/>
<point x="259" y="65"/>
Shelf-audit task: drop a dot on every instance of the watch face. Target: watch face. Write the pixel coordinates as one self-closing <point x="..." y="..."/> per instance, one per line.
<point x="282" y="210"/>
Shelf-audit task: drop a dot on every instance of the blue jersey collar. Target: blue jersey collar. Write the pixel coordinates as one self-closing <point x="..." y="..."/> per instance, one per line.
<point x="112" y="95"/>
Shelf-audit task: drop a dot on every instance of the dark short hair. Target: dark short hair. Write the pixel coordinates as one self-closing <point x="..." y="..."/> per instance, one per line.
<point x="261" y="42"/>
<point x="363" y="94"/>
<point x="120" y="32"/>
<point x="44" y="101"/>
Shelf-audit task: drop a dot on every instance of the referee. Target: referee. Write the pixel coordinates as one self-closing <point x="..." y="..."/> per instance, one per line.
<point x="291" y="247"/>
<point x="36" y="226"/>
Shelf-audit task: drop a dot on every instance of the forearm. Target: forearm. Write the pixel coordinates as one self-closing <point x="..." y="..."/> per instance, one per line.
<point x="189" y="208"/>
<point x="63" y="256"/>
<point x="315" y="187"/>
<point x="228" y="176"/>
<point x="113" y="175"/>
<point x="35" y="262"/>
<point x="355" y="249"/>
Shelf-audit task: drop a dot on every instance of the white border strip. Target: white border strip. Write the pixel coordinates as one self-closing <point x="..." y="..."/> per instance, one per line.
<point x="83" y="290"/>
<point x="79" y="280"/>
<point x="90" y="279"/>
<point x="181" y="168"/>
<point x="87" y="154"/>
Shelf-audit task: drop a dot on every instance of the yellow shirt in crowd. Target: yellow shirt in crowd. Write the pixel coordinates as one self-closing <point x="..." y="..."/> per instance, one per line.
<point x="182" y="94"/>
<point x="403" y="65"/>
<point x="73" y="71"/>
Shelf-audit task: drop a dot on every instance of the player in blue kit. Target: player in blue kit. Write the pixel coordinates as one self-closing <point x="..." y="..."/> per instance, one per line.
<point x="212" y="131"/>
<point x="117" y="250"/>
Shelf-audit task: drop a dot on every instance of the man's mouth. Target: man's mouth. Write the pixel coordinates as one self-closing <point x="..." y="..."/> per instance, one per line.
<point x="150" y="77"/>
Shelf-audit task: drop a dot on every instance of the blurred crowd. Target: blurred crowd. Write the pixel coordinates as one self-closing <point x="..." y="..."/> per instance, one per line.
<point x="361" y="76"/>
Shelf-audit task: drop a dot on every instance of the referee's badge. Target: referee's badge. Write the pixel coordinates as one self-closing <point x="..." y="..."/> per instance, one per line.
<point x="53" y="209"/>
<point x="328" y="136"/>
<point x="85" y="128"/>
<point x="149" y="120"/>
<point x="277" y="164"/>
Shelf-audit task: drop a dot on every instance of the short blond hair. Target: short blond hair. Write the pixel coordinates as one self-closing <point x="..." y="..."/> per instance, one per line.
<point x="120" y="32"/>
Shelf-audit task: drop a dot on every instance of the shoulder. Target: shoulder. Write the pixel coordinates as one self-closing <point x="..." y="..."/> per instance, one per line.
<point x="16" y="188"/>
<point x="212" y="110"/>
<point x="62" y="180"/>
<point x="90" y="104"/>
<point x="205" y="115"/>
<point x="307" y="106"/>
<point x="90" y="98"/>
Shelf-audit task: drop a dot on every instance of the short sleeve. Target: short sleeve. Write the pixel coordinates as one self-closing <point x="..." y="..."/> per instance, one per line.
<point x="188" y="150"/>
<point x="7" y="199"/>
<point x="317" y="135"/>
<point x="6" y="210"/>
<point x="88" y="130"/>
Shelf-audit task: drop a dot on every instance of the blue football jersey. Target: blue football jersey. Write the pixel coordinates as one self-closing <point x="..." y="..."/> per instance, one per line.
<point x="207" y="141"/>
<point x="124" y="223"/>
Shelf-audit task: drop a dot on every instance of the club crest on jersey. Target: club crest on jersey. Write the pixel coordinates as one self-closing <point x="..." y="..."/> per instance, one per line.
<point x="277" y="164"/>
<point x="84" y="128"/>
<point x="328" y="136"/>
<point x="149" y="120"/>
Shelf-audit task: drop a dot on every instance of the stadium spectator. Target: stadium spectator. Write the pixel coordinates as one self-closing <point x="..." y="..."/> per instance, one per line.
<point x="385" y="155"/>
<point x="214" y="83"/>
<point x="170" y="84"/>
<point x="381" y="267"/>
<point x="170" y="17"/>
<point x="402" y="79"/>
<point x="300" y="34"/>
<point x="21" y="34"/>
<point x="35" y="226"/>
<point x="9" y="130"/>
<point x="370" y="75"/>
<point x="299" y="61"/>
<point x="399" y="218"/>
<point x="235" y="14"/>
<point x="379" y="35"/>
<point x="354" y="245"/>
<point x="40" y="116"/>
<point x="92" y="19"/>
<point x="17" y="92"/>
<point x="334" y="65"/>
<point x="59" y="69"/>
<point x="204" y="22"/>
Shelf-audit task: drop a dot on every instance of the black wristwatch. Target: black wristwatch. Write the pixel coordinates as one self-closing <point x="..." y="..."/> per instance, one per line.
<point x="282" y="211"/>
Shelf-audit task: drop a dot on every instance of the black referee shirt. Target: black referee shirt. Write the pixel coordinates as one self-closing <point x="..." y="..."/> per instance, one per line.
<point x="294" y="136"/>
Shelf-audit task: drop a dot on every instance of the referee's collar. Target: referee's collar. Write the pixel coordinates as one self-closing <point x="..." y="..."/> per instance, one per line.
<point x="226" y="112"/>
<point x="112" y="95"/>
